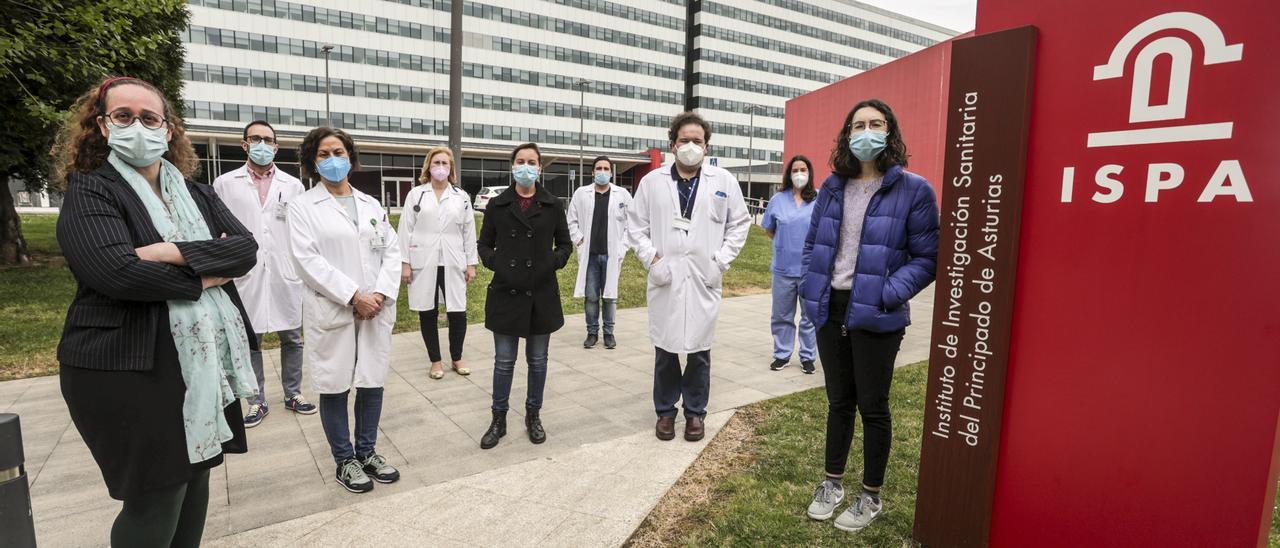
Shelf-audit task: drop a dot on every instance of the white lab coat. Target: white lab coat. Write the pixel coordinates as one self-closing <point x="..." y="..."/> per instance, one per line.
<point x="271" y="291"/>
<point x="581" y="214"/>
<point x="440" y="233"/>
<point x="685" y="285"/>
<point x="335" y="258"/>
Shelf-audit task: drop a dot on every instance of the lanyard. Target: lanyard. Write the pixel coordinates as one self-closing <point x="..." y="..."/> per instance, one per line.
<point x="688" y="198"/>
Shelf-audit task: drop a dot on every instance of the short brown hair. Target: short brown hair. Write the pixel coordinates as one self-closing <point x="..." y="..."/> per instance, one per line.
<point x="533" y="146"/>
<point x="245" y="136"/>
<point x="684" y="119"/>
<point x="311" y="146"/>
<point x="81" y="148"/>
<point x="425" y="176"/>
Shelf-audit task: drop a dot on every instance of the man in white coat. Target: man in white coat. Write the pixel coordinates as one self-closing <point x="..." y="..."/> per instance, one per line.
<point x="258" y="194"/>
<point x="687" y="223"/>
<point x="598" y="225"/>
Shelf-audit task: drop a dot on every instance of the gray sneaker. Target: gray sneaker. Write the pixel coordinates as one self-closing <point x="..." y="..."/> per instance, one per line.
<point x="859" y="514"/>
<point x="352" y="477"/>
<point x="826" y="497"/>
<point x="376" y="467"/>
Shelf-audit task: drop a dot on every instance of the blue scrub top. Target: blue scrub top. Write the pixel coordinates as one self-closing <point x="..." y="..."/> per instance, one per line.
<point x="789" y="224"/>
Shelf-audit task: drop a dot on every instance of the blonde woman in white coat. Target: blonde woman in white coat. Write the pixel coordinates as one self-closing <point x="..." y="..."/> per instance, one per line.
<point x="598" y="228"/>
<point x="438" y="253"/>
<point x="346" y="253"/>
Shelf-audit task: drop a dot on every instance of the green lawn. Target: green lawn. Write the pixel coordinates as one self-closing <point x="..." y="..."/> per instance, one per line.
<point x="764" y="504"/>
<point x="1275" y="521"/>
<point x="749" y="274"/>
<point x="34" y="299"/>
<point x="38" y="230"/>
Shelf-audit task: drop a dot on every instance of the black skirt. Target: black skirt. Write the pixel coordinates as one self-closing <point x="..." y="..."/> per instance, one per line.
<point x="132" y="422"/>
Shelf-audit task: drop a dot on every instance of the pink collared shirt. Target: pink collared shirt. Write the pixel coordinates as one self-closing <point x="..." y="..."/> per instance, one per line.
<point x="262" y="182"/>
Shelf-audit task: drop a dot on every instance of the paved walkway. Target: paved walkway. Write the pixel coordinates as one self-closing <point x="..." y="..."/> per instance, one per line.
<point x="597" y="411"/>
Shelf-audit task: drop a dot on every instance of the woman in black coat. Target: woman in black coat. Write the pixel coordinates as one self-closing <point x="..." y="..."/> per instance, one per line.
<point x="121" y="375"/>
<point x="524" y="241"/>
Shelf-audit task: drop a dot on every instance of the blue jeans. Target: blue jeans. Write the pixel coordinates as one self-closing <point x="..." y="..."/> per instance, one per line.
<point x="786" y="291"/>
<point x="505" y="348"/>
<point x="597" y="266"/>
<point x="670" y="385"/>
<point x="333" y="417"/>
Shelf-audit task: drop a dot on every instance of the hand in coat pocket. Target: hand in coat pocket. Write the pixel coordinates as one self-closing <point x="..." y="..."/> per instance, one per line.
<point x="660" y="273"/>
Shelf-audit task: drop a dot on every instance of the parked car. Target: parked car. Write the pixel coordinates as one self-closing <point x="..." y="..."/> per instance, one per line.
<point x="486" y="194"/>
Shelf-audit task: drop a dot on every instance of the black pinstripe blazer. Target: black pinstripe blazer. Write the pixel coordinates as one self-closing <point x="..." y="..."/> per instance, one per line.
<point x="120" y="299"/>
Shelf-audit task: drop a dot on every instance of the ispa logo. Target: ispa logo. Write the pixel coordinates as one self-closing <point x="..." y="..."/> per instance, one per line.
<point x="1228" y="179"/>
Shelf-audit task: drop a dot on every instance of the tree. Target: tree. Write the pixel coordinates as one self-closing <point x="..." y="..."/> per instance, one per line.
<point x="51" y="52"/>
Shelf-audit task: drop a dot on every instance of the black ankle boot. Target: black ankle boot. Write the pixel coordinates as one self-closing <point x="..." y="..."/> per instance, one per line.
<point x="497" y="429"/>
<point x="534" y="425"/>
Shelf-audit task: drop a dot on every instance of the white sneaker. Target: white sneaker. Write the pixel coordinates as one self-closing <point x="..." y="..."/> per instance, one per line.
<point x="826" y="498"/>
<point x="860" y="514"/>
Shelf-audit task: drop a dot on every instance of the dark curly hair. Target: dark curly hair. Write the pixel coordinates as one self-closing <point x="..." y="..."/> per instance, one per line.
<point x="845" y="164"/>
<point x="808" y="193"/>
<point x="684" y="119"/>
<point x="311" y="146"/>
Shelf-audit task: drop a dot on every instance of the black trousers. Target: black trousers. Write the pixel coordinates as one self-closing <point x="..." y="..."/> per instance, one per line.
<point x="858" y="367"/>
<point x="427" y="323"/>
<point x="692" y="386"/>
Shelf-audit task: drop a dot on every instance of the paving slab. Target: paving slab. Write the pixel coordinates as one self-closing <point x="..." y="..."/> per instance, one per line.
<point x="590" y="484"/>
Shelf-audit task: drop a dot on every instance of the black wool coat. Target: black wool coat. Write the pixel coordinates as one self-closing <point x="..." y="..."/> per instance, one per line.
<point x="524" y="249"/>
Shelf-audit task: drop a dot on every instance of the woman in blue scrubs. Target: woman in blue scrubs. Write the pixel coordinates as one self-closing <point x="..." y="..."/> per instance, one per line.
<point x="786" y="219"/>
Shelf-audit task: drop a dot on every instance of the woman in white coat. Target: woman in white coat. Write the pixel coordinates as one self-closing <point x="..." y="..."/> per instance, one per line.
<point x="346" y="253"/>
<point x="687" y="224"/>
<point x="598" y="226"/>
<point x="438" y="254"/>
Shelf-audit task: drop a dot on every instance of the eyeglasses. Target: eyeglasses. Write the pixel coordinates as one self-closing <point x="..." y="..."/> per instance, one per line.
<point x="123" y="118"/>
<point x="877" y="124"/>
<point x="255" y="139"/>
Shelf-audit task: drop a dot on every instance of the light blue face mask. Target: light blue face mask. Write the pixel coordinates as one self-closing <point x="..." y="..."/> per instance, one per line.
<point x="602" y="177"/>
<point x="867" y="144"/>
<point x="261" y="154"/>
<point x="525" y="175"/>
<point x="137" y="145"/>
<point x="334" y="169"/>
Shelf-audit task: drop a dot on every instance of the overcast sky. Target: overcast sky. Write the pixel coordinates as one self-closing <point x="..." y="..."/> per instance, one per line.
<point x="957" y="15"/>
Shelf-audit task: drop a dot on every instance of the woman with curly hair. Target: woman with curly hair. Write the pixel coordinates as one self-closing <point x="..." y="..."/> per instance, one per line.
<point x="156" y="346"/>
<point x="872" y="245"/>
<point x="347" y="255"/>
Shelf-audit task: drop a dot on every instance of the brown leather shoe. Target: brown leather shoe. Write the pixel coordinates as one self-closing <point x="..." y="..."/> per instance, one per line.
<point x="666" y="428"/>
<point x="693" y="430"/>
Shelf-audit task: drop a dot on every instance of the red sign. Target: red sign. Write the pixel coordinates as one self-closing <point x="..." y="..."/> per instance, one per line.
<point x="1143" y="387"/>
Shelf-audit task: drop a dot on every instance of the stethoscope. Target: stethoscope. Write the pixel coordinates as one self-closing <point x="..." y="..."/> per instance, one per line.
<point x="417" y="208"/>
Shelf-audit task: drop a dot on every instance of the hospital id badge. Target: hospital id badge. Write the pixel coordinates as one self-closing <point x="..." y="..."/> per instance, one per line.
<point x="281" y="209"/>
<point x="379" y="241"/>
<point x="681" y="223"/>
